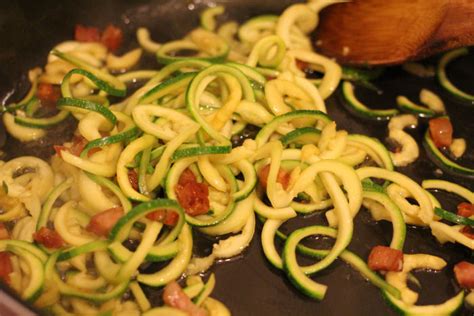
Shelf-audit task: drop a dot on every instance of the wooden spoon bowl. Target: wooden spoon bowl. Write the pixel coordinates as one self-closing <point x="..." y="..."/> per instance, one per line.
<point x="384" y="32"/>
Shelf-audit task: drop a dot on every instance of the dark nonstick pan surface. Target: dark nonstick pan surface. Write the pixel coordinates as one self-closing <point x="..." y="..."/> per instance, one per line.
<point x="249" y="285"/>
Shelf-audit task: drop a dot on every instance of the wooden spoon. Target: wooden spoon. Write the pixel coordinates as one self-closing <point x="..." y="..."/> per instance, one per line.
<point x="384" y="32"/>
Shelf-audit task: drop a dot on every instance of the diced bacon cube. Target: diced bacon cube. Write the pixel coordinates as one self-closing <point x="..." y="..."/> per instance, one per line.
<point x="186" y="176"/>
<point x="193" y="196"/>
<point x="302" y="65"/>
<point x="112" y="37"/>
<point x="283" y="177"/>
<point x="133" y="178"/>
<point x="59" y="148"/>
<point x="5" y="266"/>
<point x="48" y="238"/>
<point x="102" y="223"/>
<point x="175" y="297"/>
<point x="383" y="258"/>
<point x="78" y="144"/>
<point x="48" y="93"/>
<point x="467" y="231"/>
<point x="465" y="209"/>
<point x="464" y="272"/>
<point x="86" y="34"/>
<point x="167" y="217"/>
<point x="441" y="131"/>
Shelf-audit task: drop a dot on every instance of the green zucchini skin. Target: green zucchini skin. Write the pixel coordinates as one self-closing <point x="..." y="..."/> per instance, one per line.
<point x="46" y="122"/>
<point x="442" y="161"/>
<point x="450" y="307"/>
<point x="375" y="145"/>
<point x="126" y="135"/>
<point x="79" y="250"/>
<point x="190" y="151"/>
<point x="192" y="90"/>
<point x="121" y="229"/>
<point x="38" y="252"/>
<point x="48" y="204"/>
<point x="165" y="59"/>
<point x="264" y="134"/>
<point x="179" y="81"/>
<point x="408" y="106"/>
<point x="444" y="80"/>
<point x="102" y="80"/>
<point x="303" y="135"/>
<point x="157" y="253"/>
<point x="398" y="222"/>
<point x="250" y="175"/>
<point x="65" y="103"/>
<point x="360" y="109"/>
<point x="453" y="218"/>
<point x="293" y="271"/>
<point x="347" y="256"/>
<point x="36" y="283"/>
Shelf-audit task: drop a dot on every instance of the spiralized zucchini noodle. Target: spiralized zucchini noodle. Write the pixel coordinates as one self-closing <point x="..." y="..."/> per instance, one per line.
<point x="144" y="172"/>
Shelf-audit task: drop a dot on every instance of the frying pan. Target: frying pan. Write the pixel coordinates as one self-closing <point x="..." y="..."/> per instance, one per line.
<point x="248" y="285"/>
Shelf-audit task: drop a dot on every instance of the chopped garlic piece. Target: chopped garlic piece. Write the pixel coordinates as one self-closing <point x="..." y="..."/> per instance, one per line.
<point x="458" y="147"/>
